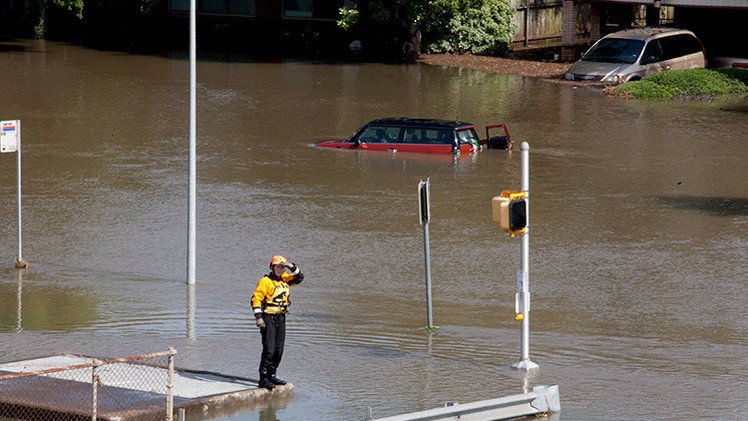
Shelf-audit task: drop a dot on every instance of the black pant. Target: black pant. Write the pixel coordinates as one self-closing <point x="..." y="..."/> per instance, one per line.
<point x="273" y="338"/>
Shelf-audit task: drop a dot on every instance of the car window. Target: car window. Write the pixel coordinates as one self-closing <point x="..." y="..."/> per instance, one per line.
<point x="679" y="45"/>
<point x="467" y="136"/>
<point x="379" y="134"/>
<point x="614" y="50"/>
<point x="671" y="48"/>
<point x="440" y="136"/>
<point x="436" y="136"/>
<point x="692" y="44"/>
<point x="652" y="52"/>
<point x="412" y="135"/>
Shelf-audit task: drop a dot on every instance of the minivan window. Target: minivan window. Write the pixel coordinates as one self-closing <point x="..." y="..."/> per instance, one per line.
<point x="679" y="46"/>
<point x="614" y="50"/>
<point x="652" y="52"/>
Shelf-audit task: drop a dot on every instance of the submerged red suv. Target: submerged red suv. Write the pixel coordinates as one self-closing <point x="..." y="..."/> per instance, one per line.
<point x="404" y="134"/>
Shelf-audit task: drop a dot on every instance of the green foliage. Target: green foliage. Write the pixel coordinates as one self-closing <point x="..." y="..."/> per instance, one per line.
<point x="447" y="26"/>
<point x="467" y="26"/>
<point x="697" y="82"/>
<point x="735" y="73"/>
<point x="36" y="11"/>
<point x="348" y="18"/>
<point x="645" y="89"/>
<point x="380" y="13"/>
<point x="685" y="83"/>
<point x="71" y="5"/>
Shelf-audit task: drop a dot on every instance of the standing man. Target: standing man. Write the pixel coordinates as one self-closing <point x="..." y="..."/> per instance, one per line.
<point x="270" y="303"/>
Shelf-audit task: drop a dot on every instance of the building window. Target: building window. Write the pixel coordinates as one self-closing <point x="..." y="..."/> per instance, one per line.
<point x="219" y="7"/>
<point x="297" y="8"/>
<point x="179" y="5"/>
<point x="315" y="9"/>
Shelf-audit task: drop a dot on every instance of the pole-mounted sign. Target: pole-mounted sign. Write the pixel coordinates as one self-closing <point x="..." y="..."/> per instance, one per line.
<point x="10" y="141"/>
<point x="10" y="135"/>
<point x="425" y="214"/>
<point x="423" y="201"/>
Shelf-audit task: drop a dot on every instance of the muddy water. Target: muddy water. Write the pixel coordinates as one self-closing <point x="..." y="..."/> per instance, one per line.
<point x="638" y="249"/>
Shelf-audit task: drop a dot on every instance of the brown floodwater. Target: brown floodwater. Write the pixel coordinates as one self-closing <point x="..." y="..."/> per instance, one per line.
<point x="637" y="256"/>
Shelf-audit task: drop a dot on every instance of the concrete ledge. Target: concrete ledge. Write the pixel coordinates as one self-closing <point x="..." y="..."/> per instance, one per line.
<point x="244" y="393"/>
<point x="197" y="392"/>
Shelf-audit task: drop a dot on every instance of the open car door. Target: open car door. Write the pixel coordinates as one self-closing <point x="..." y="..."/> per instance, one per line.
<point x="501" y="138"/>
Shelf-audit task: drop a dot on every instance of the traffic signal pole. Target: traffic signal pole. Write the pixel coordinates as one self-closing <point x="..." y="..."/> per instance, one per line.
<point x="522" y="303"/>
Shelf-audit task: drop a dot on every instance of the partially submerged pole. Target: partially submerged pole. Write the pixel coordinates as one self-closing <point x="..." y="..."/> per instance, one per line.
<point x="424" y="211"/>
<point x="18" y="177"/>
<point x="523" y="275"/>
<point x="10" y="141"/>
<point x="192" y="189"/>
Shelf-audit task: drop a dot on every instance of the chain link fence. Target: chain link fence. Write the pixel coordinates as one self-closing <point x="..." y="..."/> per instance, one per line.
<point x="132" y="388"/>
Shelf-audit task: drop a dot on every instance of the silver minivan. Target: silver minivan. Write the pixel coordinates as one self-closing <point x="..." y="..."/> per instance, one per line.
<point x="634" y="53"/>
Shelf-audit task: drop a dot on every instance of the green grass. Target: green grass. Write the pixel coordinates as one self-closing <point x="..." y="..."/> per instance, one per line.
<point x="675" y="84"/>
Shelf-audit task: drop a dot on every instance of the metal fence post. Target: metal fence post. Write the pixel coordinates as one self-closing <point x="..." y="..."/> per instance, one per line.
<point x="94" y="395"/>
<point x="170" y="386"/>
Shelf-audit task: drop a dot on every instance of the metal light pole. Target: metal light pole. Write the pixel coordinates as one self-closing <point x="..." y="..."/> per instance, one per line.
<point x="18" y="177"/>
<point x="523" y="275"/>
<point x="10" y="141"/>
<point x="192" y="189"/>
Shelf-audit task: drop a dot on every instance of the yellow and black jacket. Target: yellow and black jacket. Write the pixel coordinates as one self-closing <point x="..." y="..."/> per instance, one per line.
<point x="272" y="295"/>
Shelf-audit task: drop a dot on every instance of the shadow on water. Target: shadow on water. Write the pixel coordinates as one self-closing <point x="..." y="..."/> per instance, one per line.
<point x="7" y="47"/>
<point x="714" y="206"/>
<point x="210" y="53"/>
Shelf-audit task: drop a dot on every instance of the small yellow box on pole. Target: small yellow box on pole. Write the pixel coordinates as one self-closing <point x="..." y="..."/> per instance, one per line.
<point x="510" y="211"/>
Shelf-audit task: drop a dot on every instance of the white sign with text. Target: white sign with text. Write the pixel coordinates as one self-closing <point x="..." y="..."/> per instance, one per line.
<point x="10" y="132"/>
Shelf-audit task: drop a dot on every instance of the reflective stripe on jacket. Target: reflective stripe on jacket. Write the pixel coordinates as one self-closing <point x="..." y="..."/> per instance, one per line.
<point x="271" y="295"/>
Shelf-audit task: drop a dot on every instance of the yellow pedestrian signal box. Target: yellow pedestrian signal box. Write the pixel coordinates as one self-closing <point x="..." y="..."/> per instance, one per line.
<point x="510" y="211"/>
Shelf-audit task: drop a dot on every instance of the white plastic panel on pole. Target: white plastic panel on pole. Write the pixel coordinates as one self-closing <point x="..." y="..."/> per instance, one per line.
<point x="10" y="132"/>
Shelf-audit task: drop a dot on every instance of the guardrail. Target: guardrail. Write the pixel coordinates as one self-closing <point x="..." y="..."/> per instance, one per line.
<point x="542" y="400"/>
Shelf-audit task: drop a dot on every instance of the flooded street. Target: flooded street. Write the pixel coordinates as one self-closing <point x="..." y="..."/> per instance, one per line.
<point x="638" y="251"/>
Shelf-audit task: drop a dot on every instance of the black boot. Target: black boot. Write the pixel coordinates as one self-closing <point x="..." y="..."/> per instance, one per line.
<point x="266" y="383"/>
<point x="276" y="381"/>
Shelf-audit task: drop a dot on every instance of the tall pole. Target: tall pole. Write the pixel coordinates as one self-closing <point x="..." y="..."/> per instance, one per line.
<point x="19" y="327"/>
<point x="192" y="214"/>
<point x="427" y="263"/>
<point x="18" y="177"/>
<point x="425" y="213"/>
<point x="523" y="277"/>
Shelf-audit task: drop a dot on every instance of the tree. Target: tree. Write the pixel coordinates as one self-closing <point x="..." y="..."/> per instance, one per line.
<point x="468" y="26"/>
<point x="36" y="12"/>
<point x="453" y="26"/>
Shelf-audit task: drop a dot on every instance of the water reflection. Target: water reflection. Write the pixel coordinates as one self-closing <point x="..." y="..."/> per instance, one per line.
<point x="713" y="206"/>
<point x="19" y="304"/>
<point x="46" y="308"/>
<point x="191" y="304"/>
